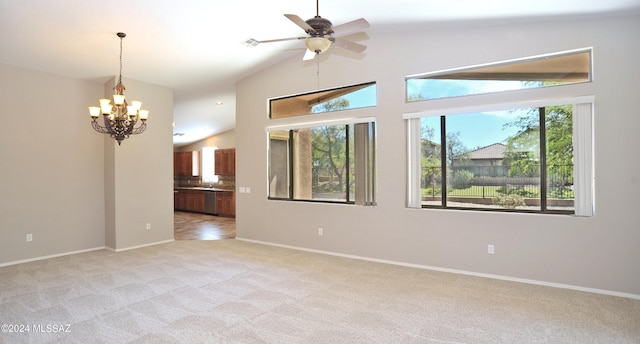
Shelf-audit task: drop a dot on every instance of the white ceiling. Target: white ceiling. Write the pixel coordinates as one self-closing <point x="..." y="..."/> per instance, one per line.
<point x="196" y="46"/>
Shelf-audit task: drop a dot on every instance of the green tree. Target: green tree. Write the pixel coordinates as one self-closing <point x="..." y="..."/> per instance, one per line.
<point x="456" y="150"/>
<point x="559" y="136"/>
<point x="328" y="143"/>
<point x="523" y="148"/>
<point x="522" y="152"/>
<point x="429" y="158"/>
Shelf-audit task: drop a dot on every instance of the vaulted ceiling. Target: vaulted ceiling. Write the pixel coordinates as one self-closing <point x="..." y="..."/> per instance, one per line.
<point x="197" y="47"/>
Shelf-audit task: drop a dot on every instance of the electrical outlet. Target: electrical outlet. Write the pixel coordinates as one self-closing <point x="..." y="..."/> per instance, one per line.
<point x="490" y="249"/>
<point x="320" y="231"/>
<point x="148" y="226"/>
<point x="29" y="237"/>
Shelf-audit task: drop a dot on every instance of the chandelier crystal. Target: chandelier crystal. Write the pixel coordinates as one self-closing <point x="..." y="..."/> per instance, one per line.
<point x="119" y="118"/>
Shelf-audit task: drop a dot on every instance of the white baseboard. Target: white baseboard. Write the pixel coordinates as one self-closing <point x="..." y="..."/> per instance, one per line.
<point x="140" y="246"/>
<point x="82" y="251"/>
<point x="454" y="271"/>
<point x="50" y="256"/>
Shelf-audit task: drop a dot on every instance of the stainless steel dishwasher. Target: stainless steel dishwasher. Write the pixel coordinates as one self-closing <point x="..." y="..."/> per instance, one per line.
<point x="210" y="202"/>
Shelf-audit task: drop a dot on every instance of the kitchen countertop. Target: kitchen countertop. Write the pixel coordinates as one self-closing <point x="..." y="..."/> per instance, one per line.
<point x="202" y="188"/>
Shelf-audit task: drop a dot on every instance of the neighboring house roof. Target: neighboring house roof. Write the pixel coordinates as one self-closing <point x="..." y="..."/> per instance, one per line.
<point x="493" y="152"/>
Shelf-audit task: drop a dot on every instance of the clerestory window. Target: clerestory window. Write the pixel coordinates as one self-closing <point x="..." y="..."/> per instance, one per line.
<point x="563" y="68"/>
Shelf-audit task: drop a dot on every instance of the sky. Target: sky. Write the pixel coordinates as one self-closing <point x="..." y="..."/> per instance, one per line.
<point x="476" y="130"/>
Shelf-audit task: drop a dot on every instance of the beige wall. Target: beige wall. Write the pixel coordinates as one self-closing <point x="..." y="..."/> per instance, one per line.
<point x="52" y="175"/>
<point x="70" y="187"/>
<point x="225" y="139"/>
<point x="598" y="253"/>
<point x="140" y="183"/>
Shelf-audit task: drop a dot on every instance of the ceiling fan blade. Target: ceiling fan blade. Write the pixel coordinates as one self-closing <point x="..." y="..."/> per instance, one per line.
<point x="349" y="45"/>
<point x="301" y="23"/>
<point x="351" y="26"/>
<point x="309" y="55"/>
<point x="281" y="39"/>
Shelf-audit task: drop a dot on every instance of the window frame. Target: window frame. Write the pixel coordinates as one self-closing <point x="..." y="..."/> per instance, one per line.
<point x="584" y="172"/>
<point x="543" y="172"/>
<point x="543" y="61"/>
<point x="323" y="96"/>
<point x="363" y="156"/>
<point x="572" y="93"/>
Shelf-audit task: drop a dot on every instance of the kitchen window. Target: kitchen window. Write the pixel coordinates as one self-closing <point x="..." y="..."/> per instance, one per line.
<point x="208" y="163"/>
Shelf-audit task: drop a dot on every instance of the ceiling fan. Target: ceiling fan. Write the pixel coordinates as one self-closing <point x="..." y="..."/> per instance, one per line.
<point x="321" y="34"/>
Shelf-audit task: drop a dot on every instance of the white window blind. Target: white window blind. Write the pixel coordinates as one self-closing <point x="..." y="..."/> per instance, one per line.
<point x="413" y="163"/>
<point x="583" y="170"/>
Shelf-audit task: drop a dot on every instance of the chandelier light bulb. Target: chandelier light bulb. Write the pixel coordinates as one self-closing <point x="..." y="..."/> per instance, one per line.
<point x="94" y="111"/>
<point x="118" y="99"/>
<point x="106" y="109"/>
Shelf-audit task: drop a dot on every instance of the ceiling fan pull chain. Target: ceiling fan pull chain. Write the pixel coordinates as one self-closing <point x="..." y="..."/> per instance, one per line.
<point x="318" y="71"/>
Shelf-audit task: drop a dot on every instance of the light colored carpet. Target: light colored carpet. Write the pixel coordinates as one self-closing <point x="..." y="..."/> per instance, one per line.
<point x="231" y="291"/>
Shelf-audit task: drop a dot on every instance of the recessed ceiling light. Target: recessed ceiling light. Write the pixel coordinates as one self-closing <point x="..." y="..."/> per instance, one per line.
<point x="219" y="102"/>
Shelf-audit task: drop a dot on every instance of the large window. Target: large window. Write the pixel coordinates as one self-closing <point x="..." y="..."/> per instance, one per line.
<point x="322" y="146"/>
<point x="511" y="159"/>
<point x="328" y="163"/>
<point x="493" y="153"/>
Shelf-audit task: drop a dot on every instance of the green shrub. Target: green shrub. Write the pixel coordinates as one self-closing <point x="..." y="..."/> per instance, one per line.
<point x="462" y="179"/>
<point x="509" y="201"/>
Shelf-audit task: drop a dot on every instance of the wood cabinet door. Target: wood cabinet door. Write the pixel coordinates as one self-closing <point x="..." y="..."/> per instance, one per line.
<point x="180" y="200"/>
<point x="225" y="164"/>
<point x="231" y="161"/>
<point x="225" y="203"/>
<point x="189" y="200"/>
<point x="186" y="164"/>
<point x="195" y="201"/>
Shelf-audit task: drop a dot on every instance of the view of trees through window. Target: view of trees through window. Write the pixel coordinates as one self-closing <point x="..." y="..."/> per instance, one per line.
<point x="499" y="159"/>
<point x="319" y="163"/>
<point x="515" y="159"/>
<point x="332" y="157"/>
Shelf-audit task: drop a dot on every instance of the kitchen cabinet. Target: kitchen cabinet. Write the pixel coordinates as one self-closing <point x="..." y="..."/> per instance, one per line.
<point x="225" y="162"/>
<point x="186" y="164"/>
<point x="226" y="203"/>
<point x="188" y="200"/>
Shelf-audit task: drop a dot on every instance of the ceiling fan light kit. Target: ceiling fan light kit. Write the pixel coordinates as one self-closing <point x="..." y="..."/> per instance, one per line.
<point x="317" y="44"/>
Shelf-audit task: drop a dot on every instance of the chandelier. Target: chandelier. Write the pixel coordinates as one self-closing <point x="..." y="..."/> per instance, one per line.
<point x="119" y="118"/>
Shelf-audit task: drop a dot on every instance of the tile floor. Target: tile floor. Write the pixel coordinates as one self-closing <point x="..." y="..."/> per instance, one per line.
<point x="192" y="226"/>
